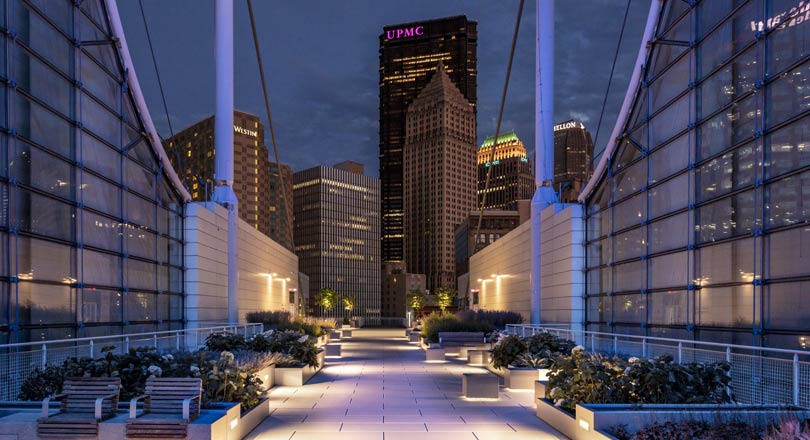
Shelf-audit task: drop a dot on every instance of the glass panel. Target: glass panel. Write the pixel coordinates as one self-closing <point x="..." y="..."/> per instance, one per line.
<point x="59" y="11"/>
<point x="726" y="262"/>
<point x="627" y="153"/>
<point x="728" y="217"/>
<point x="101" y="232"/>
<point x="669" y="233"/>
<point x="599" y="280"/>
<point x="175" y="253"/>
<point x="98" y="157"/>
<point x="140" y="242"/>
<point x="631" y="179"/>
<point x="631" y="244"/>
<point x="140" y="275"/>
<point x="669" y="85"/>
<point x="732" y="81"/>
<point x="599" y="309"/>
<point x="670" y="196"/>
<point x="42" y="215"/>
<point x="788" y="200"/>
<point x="101" y="269"/>
<point x="727" y="40"/>
<point x="44" y="39"/>
<point x="790" y="42"/>
<point x="101" y="122"/>
<point x="628" y="276"/>
<point x="669" y="122"/>
<point x="669" y="271"/>
<point x="99" y="83"/>
<point x="726" y="306"/>
<point x="728" y="172"/>
<point x="787" y="96"/>
<point x="101" y="306"/>
<point x="668" y="308"/>
<point x="140" y="306"/>
<point x="42" y="82"/>
<point x="101" y="195"/>
<point x="788" y="148"/>
<point x="175" y="280"/>
<point x="163" y="278"/>
<point x="630" y="212"/>
<point x="46" y="304"/>
<point x="140" y="179"/>
<point x="788" y="253"/>
<point x="599" y="252"/>
<point x="710" y="13"/>
<point x="43" y="127"/>
<point x="786" y="307"/>
<point x="44" y="260"/>
<point x="669" y="159"/>
<point x="34" y="167"/>
<point x="175" y="307"/>
<point x="162" y="249"/>
<point x="630" y="308"/>
<point x="728" y="128"/>
<point x="140" y="211"/>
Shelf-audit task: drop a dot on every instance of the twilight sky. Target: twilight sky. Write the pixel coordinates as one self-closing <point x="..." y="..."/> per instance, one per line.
<point x="321" y="59"/>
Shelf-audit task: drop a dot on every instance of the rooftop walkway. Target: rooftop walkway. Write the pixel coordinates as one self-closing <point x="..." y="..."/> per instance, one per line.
<point x="382" y="389"/>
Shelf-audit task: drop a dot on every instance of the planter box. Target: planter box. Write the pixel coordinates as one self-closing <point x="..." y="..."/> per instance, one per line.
<point x="480" y="386"/>
<point x="499" y="371"/>
<point x="345" y="326"/>
<point x="268" y="377"/>
<point x="523" y="378"/>
<point x="333" y="350"/>
<point x="413" y="337"/>
<point x="558" y="418"/>
<point x="298" y="376"/>
<point x="464" y="352"/>
<point x="434" y="355"/>
<point x="345" y="334"/>
<point x="479" y="358"/>
<point x="334" y="335"/>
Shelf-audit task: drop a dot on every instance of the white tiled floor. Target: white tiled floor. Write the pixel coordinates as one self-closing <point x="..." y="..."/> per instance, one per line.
<point x="382" y="389"/>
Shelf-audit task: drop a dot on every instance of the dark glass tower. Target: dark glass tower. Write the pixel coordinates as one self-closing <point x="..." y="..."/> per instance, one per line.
<point x="409" y="54"/>
<point x="573" y="150"/>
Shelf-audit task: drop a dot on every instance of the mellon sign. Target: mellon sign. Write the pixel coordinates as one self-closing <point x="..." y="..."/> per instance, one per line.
<point x="413" y="31"/>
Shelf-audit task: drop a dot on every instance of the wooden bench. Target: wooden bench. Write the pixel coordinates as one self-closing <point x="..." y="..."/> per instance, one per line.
<point x="168" y="406"/>
<point x="461" y="339"/>
<point x="85" y="401"/>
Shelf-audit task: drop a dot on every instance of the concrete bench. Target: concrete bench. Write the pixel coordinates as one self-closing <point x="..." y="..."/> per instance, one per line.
<point x="346" y="333"/>
<point x="478" y="357"/>
<point x="464" y="352"/>
<point x="414" y="337"/>
<point x="434" y="354"/>
<point x="480" y="385"/>
<point x="334" y="334"/>
<point x="333" y="350"/>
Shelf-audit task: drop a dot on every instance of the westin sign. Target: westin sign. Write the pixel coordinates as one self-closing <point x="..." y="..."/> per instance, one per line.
<point x="412" y="31"/>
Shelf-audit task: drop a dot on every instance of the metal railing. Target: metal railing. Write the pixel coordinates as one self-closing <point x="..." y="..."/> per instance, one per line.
<point x="17" y="361"/>
<point x="759" y="375"/>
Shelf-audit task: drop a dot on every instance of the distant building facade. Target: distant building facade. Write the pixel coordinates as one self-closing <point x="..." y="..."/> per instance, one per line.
<point x="409" y="53"/>
<point x="397" y="284"/>
<point x="194" y="157"/>
<point x="573" y="151"/>
<point x="511" y="178"/>
<point x="439" y="183"/>
<point x="494" y="225"/>
<point x="281" y="204"/>
<point x="337" y="235"/>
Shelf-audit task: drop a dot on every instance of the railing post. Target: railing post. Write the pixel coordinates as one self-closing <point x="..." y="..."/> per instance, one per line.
<point x="615" y="345"/>
<point x="593" y="342"/>
<point x="154" y="340"/>
<point x="126" y="344"/>
<point x="796" y="379"/>
<point x="178" y="341"/>
<point x="644" y="347"/>
<point x="92" y="349"/>
<point x="728" y="354"/>
<point x="44" y="356"/>
<point x="680" y="352"/>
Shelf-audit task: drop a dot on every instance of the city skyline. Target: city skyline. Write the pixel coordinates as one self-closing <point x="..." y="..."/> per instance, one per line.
<point x="311" y="101"/>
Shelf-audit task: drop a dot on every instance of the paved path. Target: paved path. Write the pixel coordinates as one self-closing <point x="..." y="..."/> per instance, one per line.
<point x="382" y="389"/>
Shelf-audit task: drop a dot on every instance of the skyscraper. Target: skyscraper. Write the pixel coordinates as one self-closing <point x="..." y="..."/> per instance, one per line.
<point x="408" y="56"/>
<point x="573" y="149"/>
<point x="439" y="177"/>
<point x="337" y="235"/>
<point x="511" y="178"/>
<point x="193" y="159"/>
<point x="281" y="210"/>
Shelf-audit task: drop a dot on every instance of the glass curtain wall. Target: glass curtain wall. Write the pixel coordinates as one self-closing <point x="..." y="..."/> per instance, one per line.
<point x="90" y="228"/>
<point x="700" y="227"/>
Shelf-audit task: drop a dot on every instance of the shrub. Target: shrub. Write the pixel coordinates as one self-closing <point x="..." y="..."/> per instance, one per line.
<point x="225" y="341"/>
<point x="268" y="318"/>
<point x="507" y="350"/>
<point x="283" y="321"/>
<point x="224" y="381"/>
<point x="692" y="430"/>
<point x="495" y="318"/>
<point x="594" y="378"/>
<point x="435" y="323"/>
<point x="789" y="429"/>
<point x="42" y="383"/>
<point x="549" y="345"/>
<point x="313" y="330"/>
<point x="292" y="344"/>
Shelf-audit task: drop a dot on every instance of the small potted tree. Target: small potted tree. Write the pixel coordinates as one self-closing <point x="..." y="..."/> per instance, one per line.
<point x="445" y="297"/>
<point x="349" y="302"/>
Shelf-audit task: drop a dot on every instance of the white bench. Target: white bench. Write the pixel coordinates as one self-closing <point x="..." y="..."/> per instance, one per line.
<point x="480" y="385"/>
<point x="345" y="333"/>
<point x="333" y="350"/>
<point x="434" y="354"/>
<point x="478" y="357"/>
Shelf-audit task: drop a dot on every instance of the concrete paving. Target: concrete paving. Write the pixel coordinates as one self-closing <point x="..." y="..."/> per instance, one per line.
<point x="382" y="389"/>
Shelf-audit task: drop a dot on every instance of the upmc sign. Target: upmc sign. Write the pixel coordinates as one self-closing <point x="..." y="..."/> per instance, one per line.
<point x="413" y="31"/>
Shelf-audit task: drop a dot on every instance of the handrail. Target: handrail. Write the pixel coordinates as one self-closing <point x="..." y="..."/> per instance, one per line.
<point x="95" y="339"/>
<point x="657" y="338"/>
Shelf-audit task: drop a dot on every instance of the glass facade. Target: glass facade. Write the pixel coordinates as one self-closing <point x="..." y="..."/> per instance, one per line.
<point x="700" y="226"/>
<point x="90" y="227"/>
